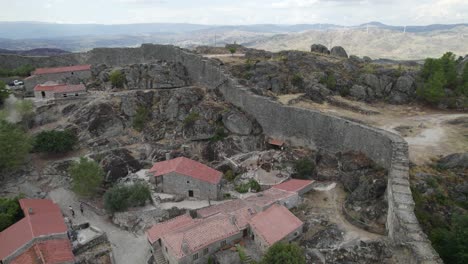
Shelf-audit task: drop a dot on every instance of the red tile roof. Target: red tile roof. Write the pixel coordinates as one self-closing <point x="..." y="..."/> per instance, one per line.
<point x="42" y="218"/>
<point x="61" y="88"/>
<point x="275" y="223"/>
<point x="275" y="142"/>
<point x="268" y="197"/>
<point x="225" y="207"/>
<point x="189" y="168"/>
<point x="47" y="252"/>
<point x="74" y="68"/>
<point x="158" y="230"/>
<point x="293" y="185"/>
<point x="200" y="234"/>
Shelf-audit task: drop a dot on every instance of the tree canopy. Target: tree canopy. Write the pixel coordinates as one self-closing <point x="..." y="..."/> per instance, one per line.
<point x="304" y="168"/>
<point x="55" y="141"/>
<point x="15" y="145"/>
<point x="452" y="244"/>
<point x="10" y="212"/>
<point x="117" y="79"/>
<point x="284" y="253"/>
<point x="4" y="93"/>
<point x="120" y="197"/>
<point x="87" y="176"/>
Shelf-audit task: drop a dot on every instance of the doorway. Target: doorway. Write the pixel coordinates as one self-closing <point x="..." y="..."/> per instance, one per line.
<point x="190" y="193"/>
<point x="43" y="94"/>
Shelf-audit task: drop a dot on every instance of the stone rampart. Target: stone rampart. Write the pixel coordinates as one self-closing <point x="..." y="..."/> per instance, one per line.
<point x="300" y="127"/>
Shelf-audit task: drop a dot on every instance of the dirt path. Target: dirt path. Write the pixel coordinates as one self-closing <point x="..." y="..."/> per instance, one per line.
<point x="428" y="132"/>
<point x="327" y="201"/>
<point x="127" y="247"/>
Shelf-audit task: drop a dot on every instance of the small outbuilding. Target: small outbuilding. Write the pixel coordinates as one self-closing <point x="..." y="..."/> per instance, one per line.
<point x="187" y="177"/>
<point x="59" y="91"/>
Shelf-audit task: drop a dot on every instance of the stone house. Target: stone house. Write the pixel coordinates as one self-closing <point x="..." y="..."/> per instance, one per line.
<point x="187" y="177"/>
<point x="59" y="91"/>
<point x="40" y="235"/>
<point x="69" y="74"/>
<point x="263" y="217"/>
<point x="274" y="224"/>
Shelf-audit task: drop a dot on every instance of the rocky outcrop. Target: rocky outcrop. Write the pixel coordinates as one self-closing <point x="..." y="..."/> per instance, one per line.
<point x="339" y="51"/>
<point x="319" y="48"/>
<point x="403" y="90"/>
<point x="237" y="123"/>
<point x="457" y="160"/>
<point x="117" y="163"/>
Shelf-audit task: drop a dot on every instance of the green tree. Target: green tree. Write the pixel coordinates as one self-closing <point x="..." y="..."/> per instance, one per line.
<point x="120" y="197"/>
<point x="15" y="145"/>
<point x="452" y="244"/>
<point x="10" y="212"/>
<point x="232" y="50"/>
<point x="430" y="67"/>
<point x="87" y="176"/>
<point x="284" y="253"/>
<point x="450" y="69"/>
<point x="117" y="79"/>
<point x="4" y="93"/>
<point x="55" y="141"/>
<point x="463" y="86"/>
<point x="297" y="80"/>
<point x="142" y="115"/>
<point x="304" y="168"/>
<point x="433" y="90"/>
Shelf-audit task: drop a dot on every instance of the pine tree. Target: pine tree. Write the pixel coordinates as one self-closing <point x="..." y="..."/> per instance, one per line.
<point x="433" y="90"/>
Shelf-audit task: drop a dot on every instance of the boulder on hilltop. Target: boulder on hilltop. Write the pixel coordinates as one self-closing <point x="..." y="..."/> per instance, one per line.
<point x="319" y="48"/>
<point x="339" y="51"/>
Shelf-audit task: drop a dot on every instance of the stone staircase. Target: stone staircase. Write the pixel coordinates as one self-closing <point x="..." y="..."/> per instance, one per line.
<point x="159" y="257"/>
<point x="248" y="260"/>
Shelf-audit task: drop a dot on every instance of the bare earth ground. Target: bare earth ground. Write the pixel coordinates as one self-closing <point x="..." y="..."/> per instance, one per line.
<point x="426" y="130"/>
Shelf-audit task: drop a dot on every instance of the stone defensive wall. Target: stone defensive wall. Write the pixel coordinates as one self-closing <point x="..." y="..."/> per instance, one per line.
<point x="300" y="127"/>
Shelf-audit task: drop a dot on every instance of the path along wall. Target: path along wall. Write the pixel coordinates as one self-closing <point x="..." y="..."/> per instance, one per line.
<point x="301" y="127"/>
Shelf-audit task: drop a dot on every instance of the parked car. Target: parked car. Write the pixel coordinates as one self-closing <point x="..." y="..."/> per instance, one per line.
<point x="16" y="83"/>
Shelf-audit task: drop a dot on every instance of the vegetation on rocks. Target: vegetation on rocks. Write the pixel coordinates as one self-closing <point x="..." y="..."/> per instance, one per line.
<point x="304" y="168"/>
<point x="15" y="145"/>
<point x="440" y="195"/>
<point x="54" y="141"/>
<point x="117" y="79"/>
<point x="10" y="212"/>
<point x="191" y="119"/>
<point x="87" y="176"/>
<point x="22" y="71"/>
<point x="4" y="93"/>
<point x="440" y="80"/>
<point x="284" y="253"/>
<point x="141" y="117"/>
<point x="121" y="197"/>
<point x="252" y="184"/>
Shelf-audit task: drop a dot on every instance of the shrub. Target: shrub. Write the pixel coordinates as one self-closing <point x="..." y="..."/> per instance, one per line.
<point x="452" y="244"/>
<point x="254" y="185"/>
<point x="304" y="168"/>
<point x="117" y="79"/>
<point x="232" y="50"/>
<point x="4" y="93"/>
<point x="142" y="115"/>
<point x="191" y="118"/>
<point x="281" y="253"/>
<point x="10" y="212"/>
<point x="55" y="141"/>
<point x="87" y="176"/>
<point x="242" y="255"/>
<point x="297" y="80"/>
<point x="433" y="89"/>
<point x="121" y="197"/>
<point x="15" y="145"/>
<point x="329" y="81"/>
<point x="251" y="184"/>
<point x="220" y="134"/>
<point x="369" y="68"/>
<point x="229" y="175"/>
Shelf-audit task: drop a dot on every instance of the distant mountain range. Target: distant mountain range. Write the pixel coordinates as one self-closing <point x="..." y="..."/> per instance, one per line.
<point x="35" y="52"/>
<point x="374" y="39"/>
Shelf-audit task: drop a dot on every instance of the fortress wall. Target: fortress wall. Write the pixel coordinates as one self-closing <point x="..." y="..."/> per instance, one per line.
<point x="301" y="127"/>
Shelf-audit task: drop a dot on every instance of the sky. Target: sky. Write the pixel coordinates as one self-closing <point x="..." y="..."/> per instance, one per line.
<point x="238" y="12"/>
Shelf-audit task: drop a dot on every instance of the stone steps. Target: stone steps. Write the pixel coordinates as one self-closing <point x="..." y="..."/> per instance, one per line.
<point x="159" y="257"/>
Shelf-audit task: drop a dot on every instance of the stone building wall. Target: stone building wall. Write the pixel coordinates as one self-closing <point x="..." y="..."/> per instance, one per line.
<point x="180" y="184"/>
<point x="64" y="77"/>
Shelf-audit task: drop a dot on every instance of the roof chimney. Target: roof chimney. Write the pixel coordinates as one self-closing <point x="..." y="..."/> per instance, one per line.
<point x="168" y="156"/>
<point x="30" y="211"/>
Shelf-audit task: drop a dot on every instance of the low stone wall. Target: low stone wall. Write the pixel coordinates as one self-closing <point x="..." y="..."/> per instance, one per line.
<point x="301" y="127"/>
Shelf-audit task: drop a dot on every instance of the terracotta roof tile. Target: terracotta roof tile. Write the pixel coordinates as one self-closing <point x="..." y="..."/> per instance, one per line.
<point x="268" y="197"/>
<point x="74" y="68"/>
<point x="225" y="207"/>
<point x="200" y="234"/>
<point x="275" y="142"/>
<point x="275" y="223"/>
<point x="160" y="229"/>
<point x="189" y="168"/>
<point x="42" y="218"/>
<point x="60" y="88"/>
<point x="46" y="252"/>
<point x="293" y="185"/>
